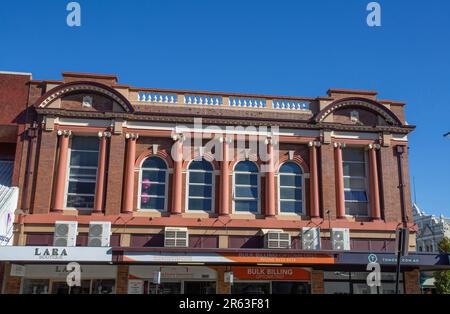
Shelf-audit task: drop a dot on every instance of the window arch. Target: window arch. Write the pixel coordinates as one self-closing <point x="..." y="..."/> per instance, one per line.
<point x="246" y="187"/>
<point x="153" y="184"/>
<point x="200" y="186"/>
<point x="290" y="188"/>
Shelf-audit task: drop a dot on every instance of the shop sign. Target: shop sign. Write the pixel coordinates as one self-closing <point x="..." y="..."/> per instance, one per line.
<point x="271" y="273"/>
<point x="69" y="254"/>
<point x="135" y="286"/>
<point x="18" y="270"/>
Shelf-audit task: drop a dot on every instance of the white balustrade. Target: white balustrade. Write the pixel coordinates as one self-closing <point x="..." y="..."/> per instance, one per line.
<point x="156" y="97"/>
<point x="206" y="100"/>
<point x="286" y="104"/>
<point x="245" y="102"/>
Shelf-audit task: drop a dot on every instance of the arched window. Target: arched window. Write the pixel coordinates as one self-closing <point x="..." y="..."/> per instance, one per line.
<point x="290" y="188"/>
<point x="153" y="184"/>
<point x="200" y="182"/>
<point x="246" y="187"/>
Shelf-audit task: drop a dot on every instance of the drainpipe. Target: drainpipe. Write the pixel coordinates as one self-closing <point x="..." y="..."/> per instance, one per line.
<point x="400" y="152"/>
<point x="31" y="134"/>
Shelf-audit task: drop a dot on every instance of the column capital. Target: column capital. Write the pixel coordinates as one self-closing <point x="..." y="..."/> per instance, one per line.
<point x="64" y="133"/>
<point x="339" y="145"/>
<point x="178" y="137"/>
<point x="270" y="140"/>
<point x="374" y="146"/>
<point x="104" y="134"/>
<point x="315" y="144"/>
<point x="132" y="136"/>
<point x="225" y="139"/>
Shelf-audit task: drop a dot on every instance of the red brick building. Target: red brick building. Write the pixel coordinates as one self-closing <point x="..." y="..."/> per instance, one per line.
<point x="102" y="154"/>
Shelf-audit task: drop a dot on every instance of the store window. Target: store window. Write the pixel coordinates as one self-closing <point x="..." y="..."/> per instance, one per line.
<point x="250" y="288"/>
<point x="163" y="288"/>
<point x="355" y="181"/>
<point x="199" y="287"/>
<point x="246" y="187"/>
<point x="290" y="287"/>
<point x="356" y="283"/>
<point x="153" y="184"/>
<point x="82" y="177"/>
<point x="36" y="286"/>
<point x="290" y="188"/>
<point x="200" y="186"/>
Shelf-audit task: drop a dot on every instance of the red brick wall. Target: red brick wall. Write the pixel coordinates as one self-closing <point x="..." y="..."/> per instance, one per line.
<point x="116" y="163"/>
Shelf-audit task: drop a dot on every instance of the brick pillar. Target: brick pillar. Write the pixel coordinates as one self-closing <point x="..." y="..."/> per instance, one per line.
<point x="374" y="187"/>
<point x="177" y="192"/>
<point x="128" y="188"/>
<point x="327" y="185"/>
<point x="225" y="179"/>
<point x="115" y="177"/>
<point x="339" y="177"/>
<point x="122" y="279"/>
<point x="314" y="180"/>
<point x="100" y="186"/>
<point x="412" y="282"/>
<point x="270" y="181"/>
<point x="317" y="286"/>
<point x="61" y="172"/>
<point x="12" y="284"/>
<point x="222" y="286"/>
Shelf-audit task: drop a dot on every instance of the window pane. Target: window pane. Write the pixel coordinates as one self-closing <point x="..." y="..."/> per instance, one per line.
<point x="84" y="159"/>
<point x="85" y="143"/>
<point x="360" y="196"/>
<point x="153" y="176"/>
<point x="290" y="193"/>
<point x="290" y="167"/>
<point x="351" y="169"/>
<point x="356" y="209"/>
<point x="200" y="190"/>
<point x="149" y="202"/>
<point x="354" y="183"/>
<point x="246" y="192"/>
<point x="200" y="204"/>
<point x="201" y="165"/>
<point x="290" y="207"/>
<point x="200" y="177"/>
<point x="83" y="173"/>
<point x="154" y="162"/>
<point x="290" y="180"/>
<point x="246" y="179"/>
<point x="353" y="154"/>
<point x="78" y="201"/>
<point x="246" y="206"/>
<point x="81" y="187"/>
<point x="246" y="166"/>
<point x="153" y="189"/>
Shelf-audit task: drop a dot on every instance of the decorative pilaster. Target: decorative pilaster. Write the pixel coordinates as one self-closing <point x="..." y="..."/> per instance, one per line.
<point x="314" y="180"/>
<point x="100" y="186"/>
<point x="270" y="179"/>
<point x="339" y="177"/>
<point x="374" y="185"/>
<point x="225" y="178"/>
<point x="128" y="189"/>
<point x="177" y="191"/>
<point x="61" y="172"/>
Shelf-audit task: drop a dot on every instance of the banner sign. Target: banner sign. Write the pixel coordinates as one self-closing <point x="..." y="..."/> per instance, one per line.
<point x="55" y="254"/>
<point x="271" y="273"/>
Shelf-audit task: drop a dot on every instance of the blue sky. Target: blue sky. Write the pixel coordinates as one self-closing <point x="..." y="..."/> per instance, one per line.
<point x="273" y="47"/>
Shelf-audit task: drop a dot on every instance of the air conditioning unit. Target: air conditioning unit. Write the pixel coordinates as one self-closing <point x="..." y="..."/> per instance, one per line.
<point x="176" y="237"/>
<point x="340" y="239"/>
<point x="99" y="233"/>
<point x="277" y="239"/>
<point x="65" y="233"/>
<point x="311" y="238"/>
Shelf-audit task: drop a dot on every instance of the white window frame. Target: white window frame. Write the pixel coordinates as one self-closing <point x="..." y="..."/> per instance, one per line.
<point x="166" y="188"/>
<point x="68" y="167"/>
<point x="213" y="189"/>
<point x="303" y="177"/>
<point x="366" y="183"/>
<point x="258" y="199"/>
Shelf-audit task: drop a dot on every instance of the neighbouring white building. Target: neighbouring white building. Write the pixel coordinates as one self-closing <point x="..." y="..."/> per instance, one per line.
<point x="431" y="230"/>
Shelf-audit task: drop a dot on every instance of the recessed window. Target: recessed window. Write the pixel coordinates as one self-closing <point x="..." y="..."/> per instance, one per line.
<point x="246" y="187"/>
<point x="200" y="186"/>
<point x="82" y="177"/>
<point x="290" y="188"/>
<point x="153" y="184"/>
<point x="355" y="181"/>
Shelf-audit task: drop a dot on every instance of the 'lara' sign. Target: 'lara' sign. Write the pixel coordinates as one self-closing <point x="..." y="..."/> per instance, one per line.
<point x="50" y="253"/>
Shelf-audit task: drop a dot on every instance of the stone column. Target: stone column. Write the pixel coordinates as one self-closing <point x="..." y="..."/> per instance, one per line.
<point x="270" y="179"/>
<point x="339" y="177"/>
<point x="177" y="190"/>
<point x="61" y="172"/>
<point x="225" y="178"/>
<point x="100" y="186"/>
<point x="128" y="189"/>
<point x="314" y="180"/>
<point x="374" y="186"/>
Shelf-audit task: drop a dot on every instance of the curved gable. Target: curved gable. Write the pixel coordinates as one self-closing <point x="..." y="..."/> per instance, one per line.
<point x="71" y="92"/>
<point x="342" y="106"/>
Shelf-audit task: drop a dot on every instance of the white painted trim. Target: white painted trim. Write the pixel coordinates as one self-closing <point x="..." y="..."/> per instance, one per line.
<point x="213" y="190"/>
<point x="355" y="135"/>
<point x="16" y="73"/>
<point x="83" y="122"/>
<point x="166" y="187"/>
<point x="279" y="192"/>
<point x="258" y="199"/>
